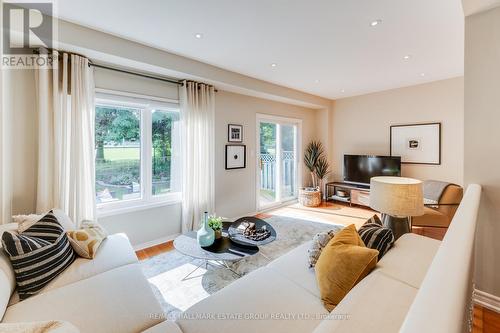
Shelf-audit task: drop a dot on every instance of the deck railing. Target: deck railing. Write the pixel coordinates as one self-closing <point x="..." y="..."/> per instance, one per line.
<point x="268" y="170"/>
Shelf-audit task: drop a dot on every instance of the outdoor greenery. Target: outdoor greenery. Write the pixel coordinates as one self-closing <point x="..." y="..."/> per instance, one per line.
<point x="115" y="126"/>
<point x="268" y="138"/>
<point x="118" y="152"/>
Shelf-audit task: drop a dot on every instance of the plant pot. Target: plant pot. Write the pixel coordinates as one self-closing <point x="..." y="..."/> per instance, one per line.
<point x="218" y="234"/>
<point x="309" y="198"/>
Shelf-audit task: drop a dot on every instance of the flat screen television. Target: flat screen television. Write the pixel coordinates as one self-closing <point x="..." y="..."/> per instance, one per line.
<point x="358" y="169"/>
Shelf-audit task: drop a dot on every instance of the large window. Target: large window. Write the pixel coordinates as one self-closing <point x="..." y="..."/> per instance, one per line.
<point x="137" y="151"/>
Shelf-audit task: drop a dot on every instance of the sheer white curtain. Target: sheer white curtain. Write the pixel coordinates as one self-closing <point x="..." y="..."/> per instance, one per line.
<point x="66" y="170"/>
<point x="198" y="190"/>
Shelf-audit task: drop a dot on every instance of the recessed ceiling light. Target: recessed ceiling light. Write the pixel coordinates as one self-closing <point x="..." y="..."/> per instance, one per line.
<point x="375" y="23"/>
<point x="274" y="65"/>
<point x="343" y="91"/>
<point x="198" y="35"/>
<point x="407" y="57"/>
<point x="422" y="74"/>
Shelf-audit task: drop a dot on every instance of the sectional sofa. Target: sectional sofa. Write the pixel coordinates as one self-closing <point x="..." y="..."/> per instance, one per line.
<point x="110" y="293"/>
<point x="106" y="294"/>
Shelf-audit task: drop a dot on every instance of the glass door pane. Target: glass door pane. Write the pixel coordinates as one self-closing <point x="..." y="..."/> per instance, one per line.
<point x="267" y="161"/>
<point x="288" y="161"/>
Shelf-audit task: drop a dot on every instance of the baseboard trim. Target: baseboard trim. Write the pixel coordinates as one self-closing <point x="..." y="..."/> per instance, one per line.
<point x="487" y="300"/>
<point x="155" y="242"/>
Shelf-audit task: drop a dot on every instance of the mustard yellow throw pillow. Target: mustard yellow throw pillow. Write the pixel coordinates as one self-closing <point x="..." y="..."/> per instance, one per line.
<point x="342" y="264"/>
<point x="86" y="241"/>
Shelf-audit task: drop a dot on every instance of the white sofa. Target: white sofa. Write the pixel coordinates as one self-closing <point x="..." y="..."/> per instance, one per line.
<point x="403" y="292"/>
<point x="106" y="294"/>
<point x="110" y="293"/>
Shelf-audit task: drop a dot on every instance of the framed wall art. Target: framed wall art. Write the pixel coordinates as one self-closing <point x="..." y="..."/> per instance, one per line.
<point x="234" y="133"/>
<point x="416" y="143"/>
<point x="236" y="157"/>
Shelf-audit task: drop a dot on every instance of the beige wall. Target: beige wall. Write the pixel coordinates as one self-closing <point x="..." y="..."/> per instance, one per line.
<point x="23" y="150"/>
<point x="235" y="189"/>
<point x="5" y="145"/>
<point x="360" y="125"/>
<point x="482" y="139"/>
<point x="112" y="80"/>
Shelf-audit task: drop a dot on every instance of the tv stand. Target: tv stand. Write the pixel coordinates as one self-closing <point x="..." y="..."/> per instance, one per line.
<point x="349" y="193"/>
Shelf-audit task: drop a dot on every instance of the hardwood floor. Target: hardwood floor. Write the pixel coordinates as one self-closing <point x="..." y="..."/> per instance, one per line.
<point x="154" y="250"/>
<point x="342" y="213"/>
<point x="485" y="320"/>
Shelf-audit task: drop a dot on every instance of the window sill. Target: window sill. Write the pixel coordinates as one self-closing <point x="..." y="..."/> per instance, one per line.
<point x="130" y="206"/>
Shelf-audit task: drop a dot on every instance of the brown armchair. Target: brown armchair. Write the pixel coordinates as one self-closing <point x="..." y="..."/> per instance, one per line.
<point x="440" y="215"/>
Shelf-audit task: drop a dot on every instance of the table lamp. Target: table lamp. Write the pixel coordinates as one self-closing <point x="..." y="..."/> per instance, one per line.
<point x="398" y="199"/>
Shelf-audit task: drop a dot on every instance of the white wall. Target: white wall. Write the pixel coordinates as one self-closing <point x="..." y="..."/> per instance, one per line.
<point x="360" y="125"/>
<point x="235" y="189"/>
<point x="146" y="225"/>
<point x="482" y="139"/>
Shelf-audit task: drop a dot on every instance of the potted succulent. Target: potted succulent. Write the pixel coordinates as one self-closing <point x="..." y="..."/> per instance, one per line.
<point x="317" y="163"/>
<point x="215" y="222"/>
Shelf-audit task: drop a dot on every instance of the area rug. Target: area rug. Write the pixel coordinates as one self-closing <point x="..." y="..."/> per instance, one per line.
<point x="165" y="272"/>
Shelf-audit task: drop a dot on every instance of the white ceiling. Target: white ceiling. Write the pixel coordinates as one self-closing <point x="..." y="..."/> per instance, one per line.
<point x="323" y="47"/>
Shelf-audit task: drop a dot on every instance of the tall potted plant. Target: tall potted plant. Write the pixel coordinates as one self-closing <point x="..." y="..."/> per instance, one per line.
<point x="321" y="171"/>
<point x="318" y="166"/>
<point x="313" y="152"/>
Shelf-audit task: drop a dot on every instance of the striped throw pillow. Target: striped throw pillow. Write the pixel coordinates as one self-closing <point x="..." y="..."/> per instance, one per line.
<point x="38" y="255"/>
<point x="375" y="236"/>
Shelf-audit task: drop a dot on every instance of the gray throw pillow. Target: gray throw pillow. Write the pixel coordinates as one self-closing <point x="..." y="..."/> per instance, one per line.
<point x="319" y="242"/>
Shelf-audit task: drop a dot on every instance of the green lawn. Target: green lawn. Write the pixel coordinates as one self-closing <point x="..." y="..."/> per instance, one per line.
<point x="122" y="153"/>
<point x="121" y="168"/>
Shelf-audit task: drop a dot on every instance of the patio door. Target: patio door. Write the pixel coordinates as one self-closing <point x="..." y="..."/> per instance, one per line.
<point x="277" y="160"/>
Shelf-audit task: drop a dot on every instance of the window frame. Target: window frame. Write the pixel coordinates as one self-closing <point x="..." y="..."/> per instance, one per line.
<point x="146" y="105"/>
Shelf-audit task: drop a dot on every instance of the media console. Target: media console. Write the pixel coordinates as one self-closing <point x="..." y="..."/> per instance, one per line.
<point x="346" y="192"/>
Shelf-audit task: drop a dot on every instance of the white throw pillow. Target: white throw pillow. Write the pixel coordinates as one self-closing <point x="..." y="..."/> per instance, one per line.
<point x="320" y="240"/>
<point x="26" y="221"/>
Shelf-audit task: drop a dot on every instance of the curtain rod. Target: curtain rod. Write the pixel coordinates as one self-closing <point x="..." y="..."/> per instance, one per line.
<point x="178" y="82"/>
<point x="137" y="74"/>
